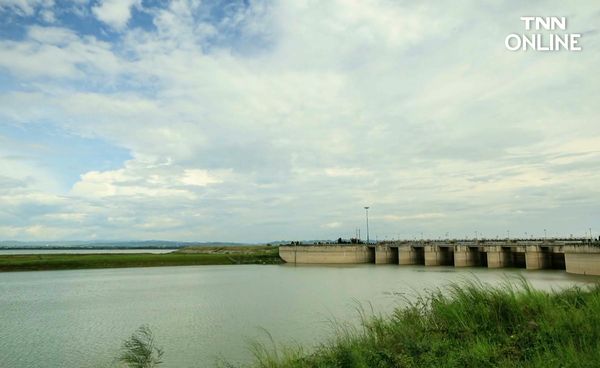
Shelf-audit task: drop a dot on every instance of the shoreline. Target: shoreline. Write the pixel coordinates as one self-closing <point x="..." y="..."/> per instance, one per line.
<point x="183" y="257"/>
<point x="468" y="324"/>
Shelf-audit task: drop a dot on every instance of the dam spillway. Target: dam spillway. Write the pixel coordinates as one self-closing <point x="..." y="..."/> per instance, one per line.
<point x="574" y="256"/>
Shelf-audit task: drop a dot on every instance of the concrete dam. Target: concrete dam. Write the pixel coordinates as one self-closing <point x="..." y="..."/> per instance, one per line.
<point x="574" y="256"/>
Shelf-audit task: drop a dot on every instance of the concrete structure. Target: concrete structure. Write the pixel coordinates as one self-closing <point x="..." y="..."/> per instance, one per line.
<point x="411" y="255"/>
<point x="498" y="256"/>
<point x="537" y="257"/>
<point x="327" y="254"/>
<point x="576" y="256"/>
<point x="469" y="255"/>
<point x="385" y="254"/>
<point x="439" y="255"/>
<point x="582" y="260"/>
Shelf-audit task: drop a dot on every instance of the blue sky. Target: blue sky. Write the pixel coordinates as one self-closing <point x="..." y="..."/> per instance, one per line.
<point x="264" y="120"/>
<point x="67" y="155"/>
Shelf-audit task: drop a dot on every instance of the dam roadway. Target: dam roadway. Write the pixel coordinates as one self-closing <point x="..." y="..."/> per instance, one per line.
<point x="577" y="256"/>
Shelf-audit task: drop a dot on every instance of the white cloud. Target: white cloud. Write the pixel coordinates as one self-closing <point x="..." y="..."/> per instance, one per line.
<point x="57" y="52"/>
<point x="24" y="7"/>
<point x="115" y="13"/>
<point x="200" y="178"/>
<point x="332" y="225"/>
<point x="345" y="172"/>
<point x="68" y="217"/>
<point x="418" y="216"/>
<point x="55" y="36"/>
<point x="133" y="181"/>
<point x="281" y="121"/>
<point x="48" y="16"/>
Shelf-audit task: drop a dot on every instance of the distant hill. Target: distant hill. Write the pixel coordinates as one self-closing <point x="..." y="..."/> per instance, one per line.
<point x="146" y="244"/>
<point x="130" y="244"/>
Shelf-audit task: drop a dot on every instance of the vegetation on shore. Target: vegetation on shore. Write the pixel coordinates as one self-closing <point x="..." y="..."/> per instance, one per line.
<point x="182" y="257"/>
<point x="467" y="325"/>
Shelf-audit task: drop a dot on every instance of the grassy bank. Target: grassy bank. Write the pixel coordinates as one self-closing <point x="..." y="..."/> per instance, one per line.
<point x="183" y="257"/>
<point x="469" y="326"/>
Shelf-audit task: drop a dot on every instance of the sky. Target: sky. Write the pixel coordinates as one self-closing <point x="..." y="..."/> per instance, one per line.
<point x="257" y="121"/>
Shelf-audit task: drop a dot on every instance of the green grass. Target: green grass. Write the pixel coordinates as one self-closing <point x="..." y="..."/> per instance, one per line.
<point x="469" y="325"/>
<point x="210" y="256"/>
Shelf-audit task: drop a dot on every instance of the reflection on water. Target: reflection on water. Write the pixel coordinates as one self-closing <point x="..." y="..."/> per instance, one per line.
<point x="79" y="318"/>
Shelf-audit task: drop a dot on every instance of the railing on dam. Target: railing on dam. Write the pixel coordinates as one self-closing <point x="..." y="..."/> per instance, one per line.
<point x="573" y="255"/>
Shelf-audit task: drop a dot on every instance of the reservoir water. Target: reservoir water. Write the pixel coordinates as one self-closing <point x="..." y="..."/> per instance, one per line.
<point x="79" y="318"/>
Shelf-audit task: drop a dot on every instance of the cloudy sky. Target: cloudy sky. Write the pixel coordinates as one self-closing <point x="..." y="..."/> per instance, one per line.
<point x="265" y="120"/>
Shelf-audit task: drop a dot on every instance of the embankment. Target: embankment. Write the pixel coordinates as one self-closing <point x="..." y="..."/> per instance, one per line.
<point x="204" y="256"/>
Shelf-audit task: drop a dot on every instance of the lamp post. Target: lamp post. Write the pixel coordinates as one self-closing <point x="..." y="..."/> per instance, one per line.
<point x="367" y="214"/>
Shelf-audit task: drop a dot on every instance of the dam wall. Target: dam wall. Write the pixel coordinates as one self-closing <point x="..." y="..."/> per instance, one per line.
<point x="578" y="257"/>
<point x="582" y="260"/>
<point x="323" y="254"/>
<point x="386" y="255"/>
<point x="439" y="255"/>
<point x="409" y="255"/>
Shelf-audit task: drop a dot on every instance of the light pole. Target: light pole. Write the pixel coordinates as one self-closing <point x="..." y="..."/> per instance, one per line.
<point x="367" y="213"/>
<point x="544" y="234"/>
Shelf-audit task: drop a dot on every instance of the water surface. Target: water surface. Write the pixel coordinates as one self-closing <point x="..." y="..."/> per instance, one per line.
<point x="79" y="318"/>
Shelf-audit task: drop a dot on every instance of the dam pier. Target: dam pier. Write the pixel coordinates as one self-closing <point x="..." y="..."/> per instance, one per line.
<point x="578" y="256"/>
